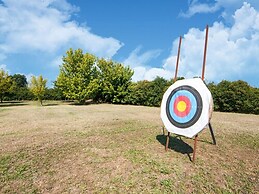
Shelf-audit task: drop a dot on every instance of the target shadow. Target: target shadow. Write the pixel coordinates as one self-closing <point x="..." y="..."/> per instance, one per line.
<point x="176" y="144"/>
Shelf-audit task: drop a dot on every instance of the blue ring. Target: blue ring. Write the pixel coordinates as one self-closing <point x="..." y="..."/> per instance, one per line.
<point x="195" y="109"/>
<point x="193" y="104"/>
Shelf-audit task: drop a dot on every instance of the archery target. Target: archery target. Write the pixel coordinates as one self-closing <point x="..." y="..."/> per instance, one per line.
<point x="186" y="107"/>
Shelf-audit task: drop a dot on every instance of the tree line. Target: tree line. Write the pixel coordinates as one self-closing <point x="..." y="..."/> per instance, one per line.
<point x="16" y="88"/>
<point x="84" y="76"/>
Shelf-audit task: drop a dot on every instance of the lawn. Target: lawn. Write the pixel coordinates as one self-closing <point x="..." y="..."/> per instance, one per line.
<point x="64" y="148"/>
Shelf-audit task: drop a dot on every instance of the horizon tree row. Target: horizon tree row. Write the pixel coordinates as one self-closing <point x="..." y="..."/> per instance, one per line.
<point x="16" y="88"/>
<point x="85" y="77"/>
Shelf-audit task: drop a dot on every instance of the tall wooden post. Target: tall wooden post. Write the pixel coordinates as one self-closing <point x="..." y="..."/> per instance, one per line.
<point x="175" y="78"/>
<point x="194" y="147"/>
<point x="205" y="52"/>
<point x="178" y="58"/>
<point x="202" y="77"/>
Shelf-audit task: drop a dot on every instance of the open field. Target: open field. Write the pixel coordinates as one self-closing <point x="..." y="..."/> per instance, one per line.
<point x="63" y="148"/>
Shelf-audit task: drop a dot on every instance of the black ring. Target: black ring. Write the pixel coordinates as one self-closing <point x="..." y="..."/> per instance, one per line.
<point x="197" y="114"/>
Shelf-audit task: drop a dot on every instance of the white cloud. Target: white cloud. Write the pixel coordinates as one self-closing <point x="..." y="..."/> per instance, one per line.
<point x="232" y="51"/>
<point x="136" y="59"/>
<point x="196" y="7"/>
<point x="245" y="22"/>
<point x="56" y="62"/>
<point x="228" y="7"/>
<point x="46" y="26"/>
<point x="3" y="66"/>
<point x="139" y="62"/>
<point x="148" y="73"/>
<point x="29" y="76"/>
<point x="152" y="73"/>
<point x="139" y="73"/>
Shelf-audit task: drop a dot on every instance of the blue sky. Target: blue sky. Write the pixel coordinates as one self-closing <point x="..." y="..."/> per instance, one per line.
<point x="144" y="34"/>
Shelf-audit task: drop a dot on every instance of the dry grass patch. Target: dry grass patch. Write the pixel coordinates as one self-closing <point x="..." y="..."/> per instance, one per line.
<point x="116" y="149"/>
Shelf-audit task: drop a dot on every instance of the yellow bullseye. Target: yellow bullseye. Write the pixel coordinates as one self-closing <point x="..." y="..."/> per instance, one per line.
<point x="181" y="106"/>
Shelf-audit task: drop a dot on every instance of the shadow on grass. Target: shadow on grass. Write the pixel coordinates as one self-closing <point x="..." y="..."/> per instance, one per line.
<point x="205" y="141"/>
<point x="13" y="103"/>
<point x="176" y="144"/>
<point x="85" y="103"/>
<point x="51" y="104"/>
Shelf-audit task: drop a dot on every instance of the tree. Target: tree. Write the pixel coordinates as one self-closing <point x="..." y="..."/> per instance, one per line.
<point x="255" y="101"/>
<point x="20" y="80"/>
<point x="114" y="81"/>
<point x="84" y="76"/>
<point x="38" y="87"/>
<point x="139" y="93"/>
<point x="157" y="89"/>
<point x="20" y="90"/>
<point x="53" y="94"/>
<point x="5" y="84"/>
<point x="236" y="96"/>
<point x="148" y="93"/>
<point x="215" y="94"/>
<point x="78" y="75"/>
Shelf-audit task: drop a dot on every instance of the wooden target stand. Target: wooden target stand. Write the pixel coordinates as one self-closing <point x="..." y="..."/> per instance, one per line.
<point x="202" y="77"/>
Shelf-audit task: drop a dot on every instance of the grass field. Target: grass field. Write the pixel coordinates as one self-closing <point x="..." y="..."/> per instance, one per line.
<point x="62" y="148"/>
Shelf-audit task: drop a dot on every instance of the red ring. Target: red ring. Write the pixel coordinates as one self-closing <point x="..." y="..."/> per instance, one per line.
<point x="188" y="106"/>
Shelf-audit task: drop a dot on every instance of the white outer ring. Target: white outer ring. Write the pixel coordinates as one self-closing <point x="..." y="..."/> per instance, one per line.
<point x="201" y="123"/>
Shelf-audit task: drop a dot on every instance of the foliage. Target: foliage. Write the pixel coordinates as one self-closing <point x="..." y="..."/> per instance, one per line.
<point x="54" y="94"/>
<point x="38" y="87"/>
<point x="84" y="76"/>
<point x="255" y="100"/>
<point x="236" y="96"/>
<point x="114" y="81"/>
<point x="20" y="80"/>
<point x="148" y="93"/>
<point x="5" y="84"/>
<point x="20" y="90"/>
<point x="77" y="75"/>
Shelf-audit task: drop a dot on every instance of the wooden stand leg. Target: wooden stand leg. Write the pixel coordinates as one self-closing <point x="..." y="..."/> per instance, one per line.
<point x="194" y="149"/>
<point x="167" y="141"/>
<point x="163" y="128"/>
<point x="212" y="134"/>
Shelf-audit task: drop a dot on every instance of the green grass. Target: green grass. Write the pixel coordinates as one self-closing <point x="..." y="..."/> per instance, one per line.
<point x="120" y="149"/>
<point x="247" y="140"/>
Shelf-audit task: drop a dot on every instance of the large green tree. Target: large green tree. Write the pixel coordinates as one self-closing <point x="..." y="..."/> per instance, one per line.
<point x="78" y="75"/>
<point x="114" y="81"/>
<point x="20" y="80"/>
<point x="5" y="84"/>
<point x="84" y="76"/>
<point x="20" y="90"/>
<point x="38" y="87"/>
<point x="236" y="96"/>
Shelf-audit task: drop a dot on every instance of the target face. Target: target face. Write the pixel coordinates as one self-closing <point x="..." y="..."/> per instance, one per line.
<point x="184" y="106"/>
